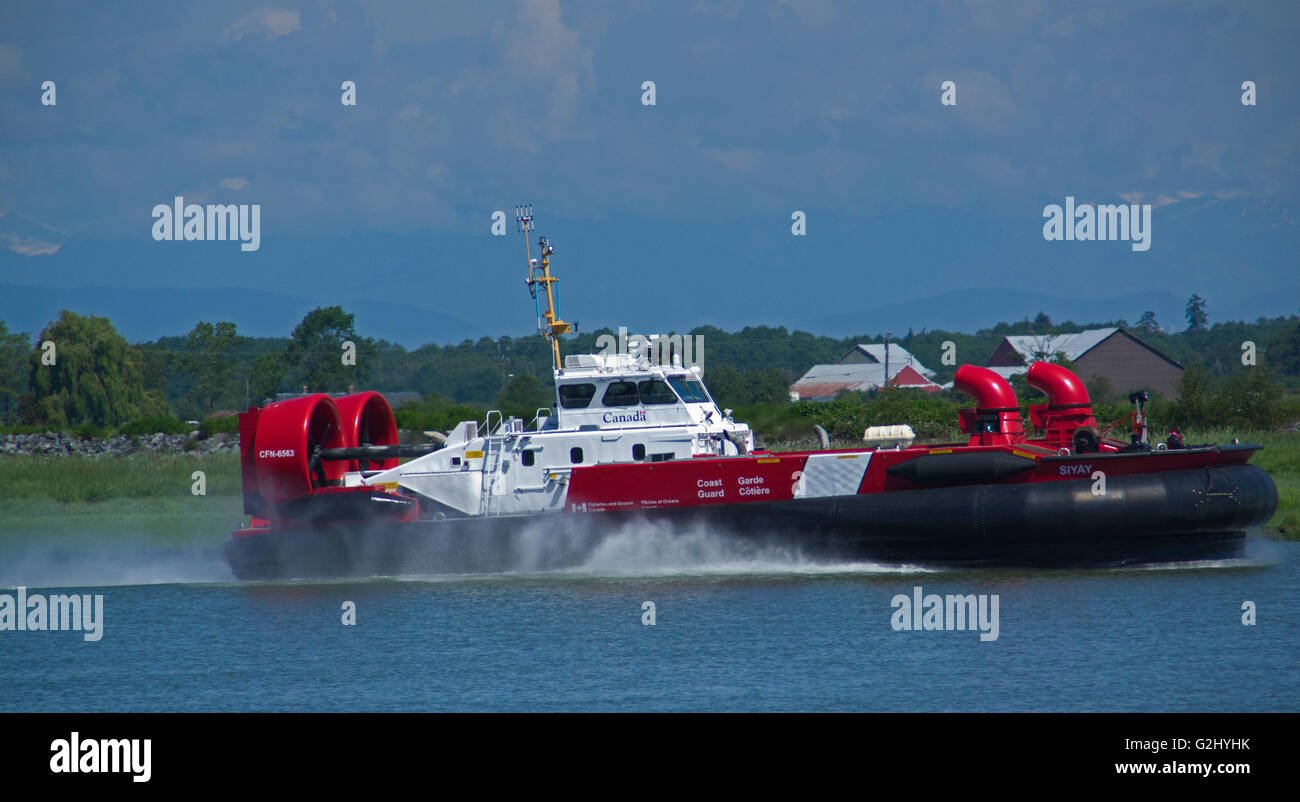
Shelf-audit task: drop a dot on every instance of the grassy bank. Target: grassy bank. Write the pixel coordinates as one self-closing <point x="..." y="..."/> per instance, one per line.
<point x="71" y="480"/>
<point x="144" y="497"/>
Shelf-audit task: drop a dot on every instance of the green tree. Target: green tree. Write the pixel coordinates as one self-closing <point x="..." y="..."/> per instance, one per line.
<point x="1147" y="324"/>
<point x="1284" y="350"/>
<point x="1250" y="399"/>
<point x="267" y="376"/>
<point x="97" y="377"/>
<point x="732" y="388"/>
<point x="315" y="353"/>
<point x="208" y="359"/>
<point x="1197" y="403"/>
<point x="1196" y="316"/>
<point x="1100" y="390"/>
<point x="523" y="396"/>
<point x="13" y="370"/>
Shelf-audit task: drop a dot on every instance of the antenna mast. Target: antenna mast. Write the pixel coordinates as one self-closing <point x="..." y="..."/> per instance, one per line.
<point x="549" y="324"/>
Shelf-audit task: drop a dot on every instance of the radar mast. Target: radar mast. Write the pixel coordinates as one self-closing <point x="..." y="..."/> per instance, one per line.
<point x="549" y="324"/>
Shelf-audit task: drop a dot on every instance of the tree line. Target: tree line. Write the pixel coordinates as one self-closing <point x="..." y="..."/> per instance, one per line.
<point x="93" y="376"/>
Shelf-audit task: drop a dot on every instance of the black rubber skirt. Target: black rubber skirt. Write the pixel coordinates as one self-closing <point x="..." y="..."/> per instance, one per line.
<point x="1196" y="514"/>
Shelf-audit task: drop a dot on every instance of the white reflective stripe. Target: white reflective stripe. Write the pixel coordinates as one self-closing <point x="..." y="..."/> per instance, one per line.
<point x="833" y="474"/>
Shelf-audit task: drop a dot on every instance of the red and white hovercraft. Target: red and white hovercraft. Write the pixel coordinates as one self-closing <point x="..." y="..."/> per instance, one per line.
<point x="329" y="493"/>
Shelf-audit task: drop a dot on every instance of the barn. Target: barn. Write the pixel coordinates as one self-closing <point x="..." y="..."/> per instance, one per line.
<point x="1124" y="361"/>
<point x="863" y="369"/>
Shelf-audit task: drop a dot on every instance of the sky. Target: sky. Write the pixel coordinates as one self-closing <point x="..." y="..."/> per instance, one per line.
<point x="663" y="216"/>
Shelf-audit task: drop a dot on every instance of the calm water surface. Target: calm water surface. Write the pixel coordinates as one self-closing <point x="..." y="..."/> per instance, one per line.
<point x="751" y="633"/>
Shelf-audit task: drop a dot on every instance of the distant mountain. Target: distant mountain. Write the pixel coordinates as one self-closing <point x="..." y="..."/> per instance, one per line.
<point x="146" y="314"/>
<point x="971" y="310"/>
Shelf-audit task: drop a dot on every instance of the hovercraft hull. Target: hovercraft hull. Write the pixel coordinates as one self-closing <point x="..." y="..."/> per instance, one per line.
<point x="1165" y="516"/>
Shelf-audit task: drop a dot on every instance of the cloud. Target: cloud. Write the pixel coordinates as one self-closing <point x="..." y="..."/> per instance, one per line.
<point x="1003" y="16"/>
<point x="235" y="183"/>
<point x="29" y="237"/>
<point x="30" y="246"/>
<point x="560" y="66"/>
<point x="983" y="102"/>
<point x="11" y="63"/>
<point x="1157" y="199"/>
<point x="816" y="14"/>
<point x="272" y="23"/>
<point x="743" y="160"/>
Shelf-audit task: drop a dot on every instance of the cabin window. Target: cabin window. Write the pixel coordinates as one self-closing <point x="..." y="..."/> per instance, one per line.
<point x="621" y="394"/>
<point x="576" y="396"/>
<point x="528" y="458"/>
<point x="654" y="391"/>
<point x="691" y="391"/>
<point x="575" y="455"/>
<point x="638" y="452"/>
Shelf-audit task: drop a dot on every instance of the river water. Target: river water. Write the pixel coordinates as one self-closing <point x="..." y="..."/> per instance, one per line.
<point x="731" y="632"/>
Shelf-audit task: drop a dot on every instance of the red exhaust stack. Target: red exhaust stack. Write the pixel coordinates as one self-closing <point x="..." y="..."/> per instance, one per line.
<point x="995" y="420"/>
<point x="1066" y="419"/>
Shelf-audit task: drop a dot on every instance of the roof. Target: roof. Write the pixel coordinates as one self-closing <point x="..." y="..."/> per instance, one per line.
<point x="1033" y="347"/>
<point x="1072" y="346"/>
<point x="827" y="381"/>
<point x="910" y="377"/>
<point x="875" y="352"/>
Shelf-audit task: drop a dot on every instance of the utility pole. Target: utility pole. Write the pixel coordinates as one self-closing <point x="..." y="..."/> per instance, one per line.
<point x="501" y="349"/>
<point x="886" y="357"/>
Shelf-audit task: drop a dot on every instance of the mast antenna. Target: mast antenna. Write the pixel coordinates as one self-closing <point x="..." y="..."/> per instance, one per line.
<point x="549" y="324"/>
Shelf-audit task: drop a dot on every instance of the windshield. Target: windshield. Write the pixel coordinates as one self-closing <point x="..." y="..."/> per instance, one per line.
<point x="691" y="391"/>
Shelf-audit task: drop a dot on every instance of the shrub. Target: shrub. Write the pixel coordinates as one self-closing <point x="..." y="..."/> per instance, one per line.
<point x="433" y="413"/>
<point x="847" y="417"/>
<point x="220" y="424"/>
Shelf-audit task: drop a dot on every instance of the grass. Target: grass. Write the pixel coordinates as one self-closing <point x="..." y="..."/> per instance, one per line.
<point x="145" y="497"/>
<point x="76" y="479"/>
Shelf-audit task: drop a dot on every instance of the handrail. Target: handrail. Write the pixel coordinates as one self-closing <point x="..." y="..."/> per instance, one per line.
<point x="537" y="416"/>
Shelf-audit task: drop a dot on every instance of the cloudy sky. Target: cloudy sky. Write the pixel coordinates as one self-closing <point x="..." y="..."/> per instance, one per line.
<point x="663" y="216"/>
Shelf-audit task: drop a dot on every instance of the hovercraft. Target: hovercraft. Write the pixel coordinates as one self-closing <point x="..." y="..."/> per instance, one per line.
<point x="332" y="493"/>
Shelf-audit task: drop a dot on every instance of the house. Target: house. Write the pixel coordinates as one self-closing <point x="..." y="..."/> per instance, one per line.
<point x="823" y="382"/>
<point x="1123" y="360"/>
<point x="874" y="354"/>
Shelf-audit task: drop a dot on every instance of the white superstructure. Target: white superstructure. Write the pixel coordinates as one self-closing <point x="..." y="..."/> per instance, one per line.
<point x="611" y="408"/>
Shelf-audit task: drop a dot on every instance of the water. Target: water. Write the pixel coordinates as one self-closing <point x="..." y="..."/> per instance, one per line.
<point x="734" y="630"/>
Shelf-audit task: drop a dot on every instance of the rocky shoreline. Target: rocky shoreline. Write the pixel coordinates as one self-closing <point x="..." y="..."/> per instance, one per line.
<point x="62" y="444"/>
